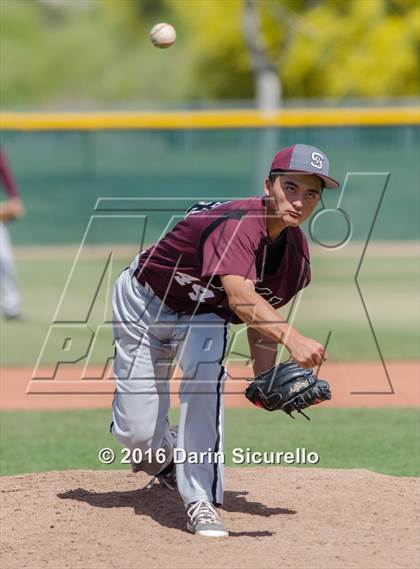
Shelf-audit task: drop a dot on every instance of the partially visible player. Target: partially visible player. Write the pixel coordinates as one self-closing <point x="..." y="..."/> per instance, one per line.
<point x="10" y="209"/>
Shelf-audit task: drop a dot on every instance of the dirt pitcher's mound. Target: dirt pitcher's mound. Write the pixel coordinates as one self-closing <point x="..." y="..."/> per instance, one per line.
<point x="277" y="517"/>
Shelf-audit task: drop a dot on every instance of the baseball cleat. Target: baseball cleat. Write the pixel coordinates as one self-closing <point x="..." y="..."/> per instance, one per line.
<point x="167" y="477"/>
<point x="203" y="519"/>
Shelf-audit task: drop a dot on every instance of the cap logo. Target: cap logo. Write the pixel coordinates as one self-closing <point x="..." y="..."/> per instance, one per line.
<point x="317" y="160"/>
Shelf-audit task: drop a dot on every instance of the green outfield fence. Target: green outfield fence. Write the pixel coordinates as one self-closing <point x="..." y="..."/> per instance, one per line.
<point x="64" y="163"/>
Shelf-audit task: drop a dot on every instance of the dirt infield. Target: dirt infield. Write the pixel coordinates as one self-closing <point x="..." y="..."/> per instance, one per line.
<point x="314" y="518"/>
<point x="353" y="384"/>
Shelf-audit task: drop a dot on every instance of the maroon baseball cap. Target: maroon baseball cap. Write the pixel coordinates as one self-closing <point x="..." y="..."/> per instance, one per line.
<point x="305" y="159"/>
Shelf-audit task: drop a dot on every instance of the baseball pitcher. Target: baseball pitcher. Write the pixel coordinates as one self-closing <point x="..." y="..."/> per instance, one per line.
<point x="231" y="262"/>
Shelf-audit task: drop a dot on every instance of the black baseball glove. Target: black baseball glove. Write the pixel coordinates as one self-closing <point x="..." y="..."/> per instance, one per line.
<point x="287" y="387"/>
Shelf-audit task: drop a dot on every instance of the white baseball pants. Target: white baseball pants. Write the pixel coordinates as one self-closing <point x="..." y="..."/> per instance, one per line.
<point x="150" y="338"/>
<point x="9" y="289"/>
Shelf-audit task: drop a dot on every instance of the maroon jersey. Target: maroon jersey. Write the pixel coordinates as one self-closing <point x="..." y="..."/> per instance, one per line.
<point x="230" y="238"/>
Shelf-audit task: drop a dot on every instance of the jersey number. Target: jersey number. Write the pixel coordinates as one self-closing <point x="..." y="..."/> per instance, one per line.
<point x="200" y="294"/>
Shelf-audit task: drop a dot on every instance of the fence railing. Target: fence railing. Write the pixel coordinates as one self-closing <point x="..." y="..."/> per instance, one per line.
<point x="241" y="118"/>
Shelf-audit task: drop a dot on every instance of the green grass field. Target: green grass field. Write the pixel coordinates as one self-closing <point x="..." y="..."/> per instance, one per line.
<point x="381" y="440"/>
<point x="389" y="284"/>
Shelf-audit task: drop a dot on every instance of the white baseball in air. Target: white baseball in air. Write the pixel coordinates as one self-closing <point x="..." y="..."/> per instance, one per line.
<point x="162" y="35"/>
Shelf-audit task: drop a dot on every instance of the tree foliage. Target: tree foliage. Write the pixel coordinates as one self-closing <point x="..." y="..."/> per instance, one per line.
<point x="90" y="52"/>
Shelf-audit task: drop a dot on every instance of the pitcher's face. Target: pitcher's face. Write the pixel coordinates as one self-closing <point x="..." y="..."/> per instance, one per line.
<point x="292" y="197"/>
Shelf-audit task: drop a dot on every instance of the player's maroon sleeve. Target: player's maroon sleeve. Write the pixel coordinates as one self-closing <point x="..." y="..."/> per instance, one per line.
<point x="6" y="178"/>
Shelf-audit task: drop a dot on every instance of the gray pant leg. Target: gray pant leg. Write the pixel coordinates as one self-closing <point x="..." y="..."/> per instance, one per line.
<point x="200" y="356"/>
<point x="143" y="364"/>
<point x="9" y="289"/>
